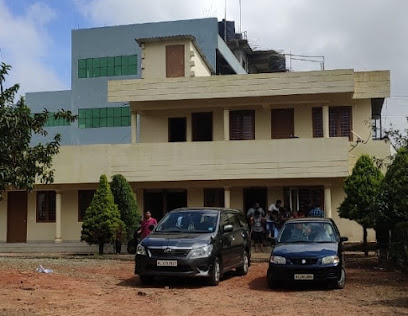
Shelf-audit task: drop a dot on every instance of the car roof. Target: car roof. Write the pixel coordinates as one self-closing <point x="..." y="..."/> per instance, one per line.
<point x="204" y="208"/>
<point x="310" y="219"/>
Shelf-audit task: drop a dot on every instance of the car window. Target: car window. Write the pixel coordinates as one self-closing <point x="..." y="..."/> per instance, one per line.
<point x="242" y="221"/>
<point x="196" y="221"/>
<point x="233" y="220"/>
<point x="307" y="232"/>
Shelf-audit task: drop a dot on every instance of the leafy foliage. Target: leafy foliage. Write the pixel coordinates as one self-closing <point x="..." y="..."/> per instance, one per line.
<point x="125" y="199"/>
<point x="361" y="188"/>
<point x="102" y="221"/>
<point x="20" y="163"/>
<point x="393" y="201"/>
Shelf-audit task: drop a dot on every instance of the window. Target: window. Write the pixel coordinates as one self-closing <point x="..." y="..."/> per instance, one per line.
<point x="107" y="66"/>
<point x="214" y="197"/>
<point x="46" y="206"/>
<point x="174" y="61"/>
<point x="202" y="126"/>
<point x="177" y="129"/>
<point x="282" y="123"/>
<point x="84" y="200"/>
<point x="317" y="119"/>
<point x="104" y="117"/>
<point x="340" y="121"/>
<point x="242" y="125"/>
<point x="303" y="199"/>
<point x="377" y="128"/>
<point x="52" y="121"/>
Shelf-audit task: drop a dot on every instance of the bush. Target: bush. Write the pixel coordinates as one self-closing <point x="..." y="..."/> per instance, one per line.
<point x="102" y="223"/>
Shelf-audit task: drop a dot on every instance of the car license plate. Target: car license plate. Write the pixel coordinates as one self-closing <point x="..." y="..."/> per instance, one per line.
<point x="166" y="263"/>
<point x="304" y="276"/>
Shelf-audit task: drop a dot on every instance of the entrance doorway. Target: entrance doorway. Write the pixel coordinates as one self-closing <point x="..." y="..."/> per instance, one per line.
<point x="159" y="202"/>
<point x="255" y="195"/>
<point x="17" y="217"/>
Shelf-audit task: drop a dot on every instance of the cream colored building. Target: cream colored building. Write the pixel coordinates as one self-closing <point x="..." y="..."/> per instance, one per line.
<point x="205" y="140"/>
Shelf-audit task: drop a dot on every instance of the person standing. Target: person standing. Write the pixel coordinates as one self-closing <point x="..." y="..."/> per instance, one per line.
<point x="317" y="211"/>
<point x="147" y="221"/>
<point x="255" y="208"/>
<point x="257" y="230"/>
<point x="273" y="219"/>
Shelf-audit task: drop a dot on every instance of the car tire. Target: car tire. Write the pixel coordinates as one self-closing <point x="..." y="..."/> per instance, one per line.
<point x="272" y="284"/>
<point x="243" y="269"/>
<point x="341" y="282"/>
<point x="146" y="280"/>
<point x="215" y="273"/>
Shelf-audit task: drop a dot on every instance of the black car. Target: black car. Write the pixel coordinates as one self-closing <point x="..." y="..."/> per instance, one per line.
<point x="195" y="242"/>
<point x="308" y="250"/>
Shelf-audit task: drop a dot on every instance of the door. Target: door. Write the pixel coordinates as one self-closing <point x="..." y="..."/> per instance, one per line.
<point x="17" y="217"/>
<point x="255" y="195"/>
<point x="174" y="61"/>
<point x="202" y="126"/>
<point x="282" y="122"/>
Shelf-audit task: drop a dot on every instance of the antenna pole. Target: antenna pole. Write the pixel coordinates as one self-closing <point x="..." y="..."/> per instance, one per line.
<point x="225" y="22"/>
<point x="240" y="16"/>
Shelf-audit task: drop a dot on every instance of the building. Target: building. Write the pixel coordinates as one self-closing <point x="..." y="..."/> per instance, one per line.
<point x="192" y="138"/>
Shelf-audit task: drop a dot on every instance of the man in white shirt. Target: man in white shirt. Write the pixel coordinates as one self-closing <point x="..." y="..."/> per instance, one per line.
<point x="271" y="217"/>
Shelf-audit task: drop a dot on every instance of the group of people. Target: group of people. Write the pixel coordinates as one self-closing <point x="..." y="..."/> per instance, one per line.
<point x="267" y="225"/>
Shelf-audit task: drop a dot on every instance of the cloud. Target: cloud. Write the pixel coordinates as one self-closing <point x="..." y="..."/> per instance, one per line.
<point x="25" y="43"/>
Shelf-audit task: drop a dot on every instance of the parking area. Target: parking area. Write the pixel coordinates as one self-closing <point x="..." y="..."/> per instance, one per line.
<point x="80" y="286"/>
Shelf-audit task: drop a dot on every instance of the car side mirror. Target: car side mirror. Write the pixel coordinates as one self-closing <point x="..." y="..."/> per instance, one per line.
<point x="343" y="239"/>
<point x="228" y="228"/>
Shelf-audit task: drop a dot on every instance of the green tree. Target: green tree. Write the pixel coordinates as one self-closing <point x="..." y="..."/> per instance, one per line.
<point x="125" y="199"/>
<point x="21" y="163"/>
<point x="102" y="223"/>
<point x="362" y="188"/>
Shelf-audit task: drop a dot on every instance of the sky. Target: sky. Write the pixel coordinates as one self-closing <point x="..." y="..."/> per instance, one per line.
<point x="35" y="36"/>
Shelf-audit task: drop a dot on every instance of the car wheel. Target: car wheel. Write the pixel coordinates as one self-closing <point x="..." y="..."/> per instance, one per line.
<point x="146" y="280"/>
<point x="215" y="273"/>
<point x="341" y="282"/>
<point x="243" y="269"/>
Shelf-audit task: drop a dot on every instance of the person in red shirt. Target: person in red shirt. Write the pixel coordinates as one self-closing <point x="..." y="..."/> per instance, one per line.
<point x="147" y="221"/>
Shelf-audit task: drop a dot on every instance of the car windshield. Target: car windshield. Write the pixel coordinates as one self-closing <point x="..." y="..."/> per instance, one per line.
<point x="308" y="232"/>
<point x="189" y="221"/>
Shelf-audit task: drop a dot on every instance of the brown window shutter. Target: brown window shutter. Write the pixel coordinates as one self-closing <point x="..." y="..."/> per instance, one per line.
<point x="175" y="61"/>
<point x="282" y="121"/>
<point x="242" y="125"/>
<point x="317" y="119"/>
<point x="340" y="123"/>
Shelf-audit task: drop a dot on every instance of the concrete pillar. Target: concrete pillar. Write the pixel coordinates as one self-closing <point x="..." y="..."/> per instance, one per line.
<point x="327" y="202"/>
<point x="325" y="113"/>
<point x="226" y="125"/>
<point x="133" y="127"/>
<point x="58" y="206"/>
<point x="227" y="197"/>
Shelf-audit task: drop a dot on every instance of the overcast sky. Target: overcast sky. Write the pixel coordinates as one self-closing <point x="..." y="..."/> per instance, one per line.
<point x="35" y="36"/>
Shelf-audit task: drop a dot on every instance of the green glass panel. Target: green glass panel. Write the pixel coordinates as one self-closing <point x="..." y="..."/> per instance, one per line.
<point x="81" y="63"/>
<point x="111" y="71"/>
<point x="88" y="123"/>
<point x="125" y="70"/>
<point x="111" y="61"/>
<point x="89" y="73"/>
<point x="89" y="63"/>
<point x="82" y="73"/>
<point x="125" y="60"/>
<point x="103" y="61"/>
<point x="118" y="61"/>
<point x="125" y="121"/>
<point x="88" y="114"/>
<point x="96" y="72"/>
<point x="109" y="112"/>
<point x="133" y="70"/>
<point x="117" y="112"/>
<point x="103" y="71"/>
<point x="133" y="60"/>
<point x="103" y="112"/>
<point x="118" y="71"/>
<point x="96" y="63"/>
<point x="95" y="122"/>
<point x="81" y="113"/>
<point x="95" y="113"/>
<point x="110" y="121"/>
<point x="103" y="122"/>
<point x="81" y="123"/>
<point x="125" y="111"/>
<point x="117" y="121"/>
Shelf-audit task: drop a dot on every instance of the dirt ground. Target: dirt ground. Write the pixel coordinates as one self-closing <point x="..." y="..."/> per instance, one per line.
<point x="108" y="287"/>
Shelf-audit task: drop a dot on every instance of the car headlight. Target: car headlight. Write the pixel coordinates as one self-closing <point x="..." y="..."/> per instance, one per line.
<point x="201" y="252"/>
<point x="330" y="260"/>
<point x="277" y="260"/>
<point x="140" y="250"/>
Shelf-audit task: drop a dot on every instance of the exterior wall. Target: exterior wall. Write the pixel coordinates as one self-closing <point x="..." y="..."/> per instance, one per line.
<point x="37" y="231"/>
<point x="3" y="219"/>
<point x="198" y="66"/>
<point x="71" y="228"/>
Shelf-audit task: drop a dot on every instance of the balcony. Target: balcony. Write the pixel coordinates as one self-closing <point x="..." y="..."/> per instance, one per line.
<point x="220" y="160"/>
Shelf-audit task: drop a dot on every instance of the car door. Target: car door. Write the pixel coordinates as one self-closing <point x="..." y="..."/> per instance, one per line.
<point x="226" y="238"/>
<point x="237" y="240"/>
